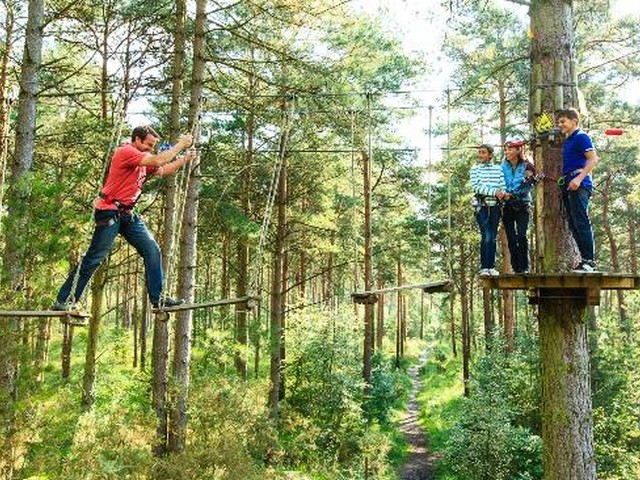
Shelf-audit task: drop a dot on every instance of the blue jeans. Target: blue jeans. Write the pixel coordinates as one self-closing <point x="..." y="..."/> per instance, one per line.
<point x="108" y="224"/>
<point x="488" y="219"/>
<point x="576" y="204"/>
<point x="516" y="222"/>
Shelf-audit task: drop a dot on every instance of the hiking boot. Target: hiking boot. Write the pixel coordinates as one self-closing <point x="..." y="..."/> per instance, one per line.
<point x="168" y="302"/>
<point x="586" y="266"/>
<point x="63" y="307"/>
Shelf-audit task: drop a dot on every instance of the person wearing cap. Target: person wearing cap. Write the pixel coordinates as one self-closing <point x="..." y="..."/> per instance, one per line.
<point x="519" y="177"/>
<point x="130" y="165"/>
<point x="487" y="183"/>
<point x="578" y="159"/>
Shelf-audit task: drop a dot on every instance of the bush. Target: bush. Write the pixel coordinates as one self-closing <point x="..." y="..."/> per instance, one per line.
<point x="494" y="440"/>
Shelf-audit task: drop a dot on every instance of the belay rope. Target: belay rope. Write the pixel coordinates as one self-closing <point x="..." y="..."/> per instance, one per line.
<point x="256" y="284"/>
<point x="184" y="177"/>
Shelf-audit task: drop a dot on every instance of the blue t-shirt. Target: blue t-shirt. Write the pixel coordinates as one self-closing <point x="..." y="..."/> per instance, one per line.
<point x="574" y="158"/>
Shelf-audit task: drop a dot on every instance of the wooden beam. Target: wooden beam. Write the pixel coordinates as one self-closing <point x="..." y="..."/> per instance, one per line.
<point x="249" y="300"/>
<point x="44" y="313"/>
<point x="433" y="287"/>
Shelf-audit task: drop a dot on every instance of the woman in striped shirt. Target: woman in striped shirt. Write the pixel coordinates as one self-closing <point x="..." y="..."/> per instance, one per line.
<point x="487" y="183"/>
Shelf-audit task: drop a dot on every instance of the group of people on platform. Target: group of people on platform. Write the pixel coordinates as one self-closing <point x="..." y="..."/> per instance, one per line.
<point x="504" y="191"/>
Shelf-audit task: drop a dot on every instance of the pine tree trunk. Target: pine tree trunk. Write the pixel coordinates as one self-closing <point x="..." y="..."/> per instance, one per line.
<point x="277" y="285"/>
<point x="67" y="344"/>
<point x="633" y="248"/>
<point x="380" y="313"/>
<point x="160" y="342"/>
<point x="566" y="404"/>
<point x="97" y="296"/>
<point x="368" y="272"/>
<point x="225" y="281"/>
<point x="241" y="334"/>
<point x="5" y="100"/>
<point x="188" y="252"/>
<point x="464" y="308"/>
<point x="613" y="251"/>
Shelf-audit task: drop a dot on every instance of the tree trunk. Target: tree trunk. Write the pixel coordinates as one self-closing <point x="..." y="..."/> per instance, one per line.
<point x="633" y="248"/>
<point x="464" y="308"/>
<point x="160" y="342"/>
<point x="97" y="296"/>
<point x="613" y="251"/>
<point x="283" y="307"/>
<point x="368" y="272"/>
<point x="188" y="251"/>
<point x="277" y="287"/>
<point x="5" y="100"/>
<point x="225" y="280"/>
<point x="567" y="426"/>
<point x="566" y="405"/>
<point x="67" y="344"/>
<point x="380" y="313"/>
<point x="241" y="330"/>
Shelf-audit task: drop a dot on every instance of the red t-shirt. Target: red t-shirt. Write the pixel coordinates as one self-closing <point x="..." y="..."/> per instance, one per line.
<point x="125" y="179"/>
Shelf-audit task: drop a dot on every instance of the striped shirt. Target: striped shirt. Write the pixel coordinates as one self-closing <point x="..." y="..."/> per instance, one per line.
<point x="487" y="179"/>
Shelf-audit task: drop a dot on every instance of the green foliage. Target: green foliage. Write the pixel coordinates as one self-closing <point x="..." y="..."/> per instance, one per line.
<point x="616" y="401"/>
<point x="389" y="387"/>
<point x="324" y="427"/>
<point x="488" y="441"/>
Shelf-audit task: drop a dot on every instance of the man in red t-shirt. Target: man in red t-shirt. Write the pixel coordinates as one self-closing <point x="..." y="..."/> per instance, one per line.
<point x="130" y="165"/>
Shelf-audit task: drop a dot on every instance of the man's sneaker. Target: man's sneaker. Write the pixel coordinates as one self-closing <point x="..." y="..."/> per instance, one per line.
<point x="64" y="307"/>
<point x="484" y="272"/>
<point x="493" y="272"/>
<point x="168" y="302"/>
<point x="586" y="266"/>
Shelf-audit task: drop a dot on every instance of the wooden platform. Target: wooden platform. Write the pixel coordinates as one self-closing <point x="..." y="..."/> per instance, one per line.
<point x="250" y="300"/>
<point x="371" y="296"/>
<point x="563" y="285"/>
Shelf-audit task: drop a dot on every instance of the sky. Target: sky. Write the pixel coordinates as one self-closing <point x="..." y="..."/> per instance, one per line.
<point x="420" y="24"/>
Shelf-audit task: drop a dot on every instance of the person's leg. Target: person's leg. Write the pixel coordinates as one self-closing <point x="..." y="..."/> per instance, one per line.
<point x="135" y="232"/>
<point x="106" y="229"/>
<point x="482" y="217"/>
<point x="522" y="224"/>
<point x="568" y="209"/>
<point x="509" y="222"/>
<point x="494" y="220"/>
<point x="579" y="202"/>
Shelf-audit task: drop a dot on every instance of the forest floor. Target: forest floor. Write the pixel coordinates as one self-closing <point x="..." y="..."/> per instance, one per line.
<point x="419" y="463"/>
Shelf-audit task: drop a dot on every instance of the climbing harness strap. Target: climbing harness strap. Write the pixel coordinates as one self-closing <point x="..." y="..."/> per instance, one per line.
<point x="564" y="179"/>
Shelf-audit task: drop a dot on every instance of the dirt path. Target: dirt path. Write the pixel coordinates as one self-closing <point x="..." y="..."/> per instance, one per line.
<point x="419" y="462"/>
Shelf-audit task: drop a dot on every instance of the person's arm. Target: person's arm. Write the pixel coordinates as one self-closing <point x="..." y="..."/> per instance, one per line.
<point x="592" y="159"/>
<point x="173" y="167"/>
<point x="159" y="159"/>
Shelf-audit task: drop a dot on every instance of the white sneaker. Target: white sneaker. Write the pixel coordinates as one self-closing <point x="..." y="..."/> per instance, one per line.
<point x="485" y="272"/>
<point x="586" y="266"/>
<point x="493" y="272"/>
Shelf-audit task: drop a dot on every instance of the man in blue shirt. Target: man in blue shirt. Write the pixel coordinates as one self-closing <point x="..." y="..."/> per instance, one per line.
<point x="578" y="159"/>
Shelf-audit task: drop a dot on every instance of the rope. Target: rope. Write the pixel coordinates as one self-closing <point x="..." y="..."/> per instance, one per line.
<point x="271" y="196"/>
<point x="181" y="201"/>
